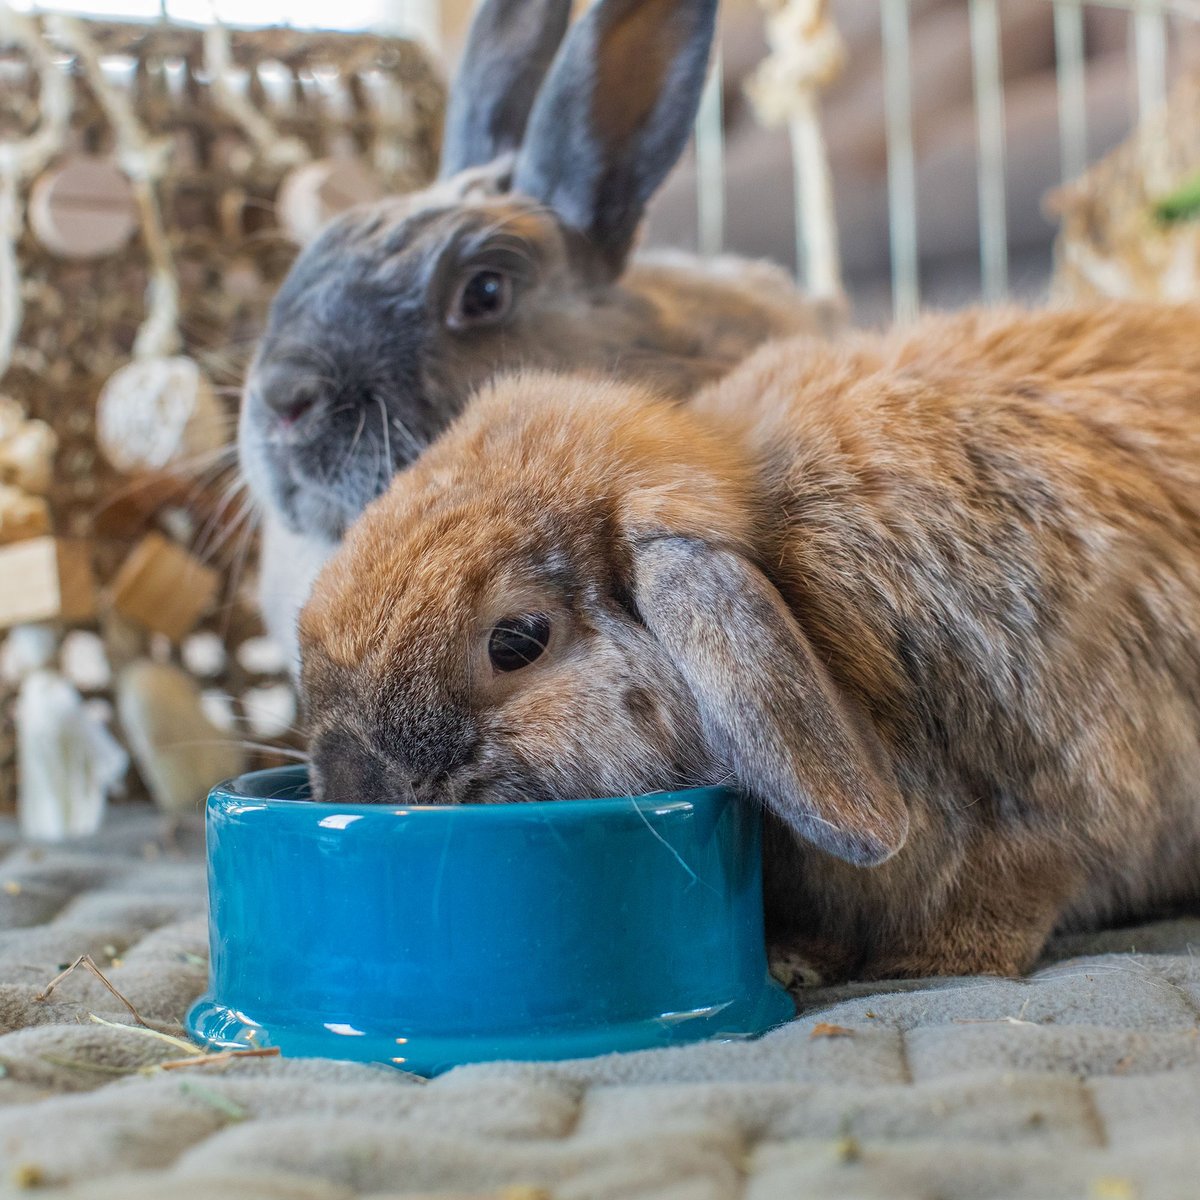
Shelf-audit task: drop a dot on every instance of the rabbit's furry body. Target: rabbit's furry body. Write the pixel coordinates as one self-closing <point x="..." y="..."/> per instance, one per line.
<point x="933" y="599"/>
<point x="993" y="538"/>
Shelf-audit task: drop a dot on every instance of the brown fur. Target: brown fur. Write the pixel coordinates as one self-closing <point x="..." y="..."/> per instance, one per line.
<point x="952" y="574"/>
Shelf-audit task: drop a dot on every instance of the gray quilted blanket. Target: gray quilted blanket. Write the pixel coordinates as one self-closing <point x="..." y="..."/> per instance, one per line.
<point x="1080" y="1081"/>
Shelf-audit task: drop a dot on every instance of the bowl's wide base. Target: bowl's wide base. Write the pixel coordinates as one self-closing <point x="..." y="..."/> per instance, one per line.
<point x="223" y="1028"/>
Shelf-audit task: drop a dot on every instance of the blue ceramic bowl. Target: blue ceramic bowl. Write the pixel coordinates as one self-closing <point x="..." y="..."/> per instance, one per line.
<point x="430" y="937"/>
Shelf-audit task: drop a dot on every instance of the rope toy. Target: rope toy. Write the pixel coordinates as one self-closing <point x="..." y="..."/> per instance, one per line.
<point x="807" y="54"/>
<point x="22" y="159"/>
<point x="159" y="408"/>
<point x="144" y="160"/>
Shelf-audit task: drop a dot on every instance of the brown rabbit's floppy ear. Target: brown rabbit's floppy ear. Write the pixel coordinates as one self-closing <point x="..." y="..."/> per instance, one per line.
<point x="615" y="114"/>
<point x="509" y="50"/>
<point x="770" y="709"/>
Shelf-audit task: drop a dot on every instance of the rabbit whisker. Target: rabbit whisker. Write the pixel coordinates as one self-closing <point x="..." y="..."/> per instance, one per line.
<point x="388" y="461"/>
<point x="245" y="744"/>
<point x="203" y="543"/>
<point x="239" y="568"/>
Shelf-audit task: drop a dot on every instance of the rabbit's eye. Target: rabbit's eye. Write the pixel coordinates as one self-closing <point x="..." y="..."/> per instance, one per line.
<point x="515" y="642"/>
<point x="483" y="297"/>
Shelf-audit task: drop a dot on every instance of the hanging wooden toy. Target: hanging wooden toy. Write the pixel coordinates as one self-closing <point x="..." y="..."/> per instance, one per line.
<point x="83" y="208"/>
<point x="157" y="410"/>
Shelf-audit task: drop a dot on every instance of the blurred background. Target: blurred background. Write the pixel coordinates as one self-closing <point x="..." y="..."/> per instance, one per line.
<point x="758" y="196"/>
<point x="759" y="218"/>
<point x="158" y="173"/>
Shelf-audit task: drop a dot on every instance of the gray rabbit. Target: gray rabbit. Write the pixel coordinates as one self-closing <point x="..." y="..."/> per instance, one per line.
<point x="518" y="256"/>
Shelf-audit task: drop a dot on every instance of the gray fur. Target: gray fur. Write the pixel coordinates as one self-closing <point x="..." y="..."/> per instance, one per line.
<point x="596" y="152"/>
<point x="510" y="48"/>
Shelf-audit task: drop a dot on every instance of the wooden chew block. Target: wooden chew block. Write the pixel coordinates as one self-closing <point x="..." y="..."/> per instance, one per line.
<point x="46" y="579"/>
<point x="131" y="508"/>
<point x="22" y="516"/>
<point x="163" y="588"/>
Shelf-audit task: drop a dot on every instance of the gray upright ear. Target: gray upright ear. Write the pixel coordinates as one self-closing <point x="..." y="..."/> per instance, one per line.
<point x="770" y="709"/>
<point x="615" y="115"/>
<point x="509" y="50"/>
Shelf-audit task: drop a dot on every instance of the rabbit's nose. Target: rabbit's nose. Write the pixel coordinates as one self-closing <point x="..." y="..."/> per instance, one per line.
<point x="288" y="405"/>
<point x="282" y="395"/>
<point x="430" y="790"/>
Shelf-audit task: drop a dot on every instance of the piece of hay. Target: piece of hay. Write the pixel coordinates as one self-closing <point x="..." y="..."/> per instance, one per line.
<point x="822" y="1029"/>
<point x="147" y="1031"/>
<point x="89" y="964"/>
<point x="221" y="1056"/>
<point x="214" y="1099"/>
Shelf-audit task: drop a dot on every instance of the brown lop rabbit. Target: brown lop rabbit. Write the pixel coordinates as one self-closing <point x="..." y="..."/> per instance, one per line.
<point x="933" y="601"/>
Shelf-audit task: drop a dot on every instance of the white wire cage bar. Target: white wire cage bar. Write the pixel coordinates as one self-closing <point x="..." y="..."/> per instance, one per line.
<point x="901" y="159"/>
<point x="990" y="173"/>
<point x="1072" y="89"/>
<point x="710" y="162"/>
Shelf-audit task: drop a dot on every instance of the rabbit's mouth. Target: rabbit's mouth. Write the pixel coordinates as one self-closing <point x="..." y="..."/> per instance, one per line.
<point x="315" y="487"/>
<point x="307" y="510"/>
<point x="304" y="503"/>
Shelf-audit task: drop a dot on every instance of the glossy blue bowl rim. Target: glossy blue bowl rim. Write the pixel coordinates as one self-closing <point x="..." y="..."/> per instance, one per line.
<point x="223" y="1028"/>
<point x="238" y="789"/>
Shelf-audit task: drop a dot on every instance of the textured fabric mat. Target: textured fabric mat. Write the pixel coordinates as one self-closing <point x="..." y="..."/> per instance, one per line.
<point x="1081" y="1081"/>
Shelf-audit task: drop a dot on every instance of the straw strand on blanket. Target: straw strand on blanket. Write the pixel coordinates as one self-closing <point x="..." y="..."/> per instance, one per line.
<point x="87" y="963"/>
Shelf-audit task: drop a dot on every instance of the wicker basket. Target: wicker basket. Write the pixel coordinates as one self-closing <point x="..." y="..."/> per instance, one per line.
<point x="378" y="99"/>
